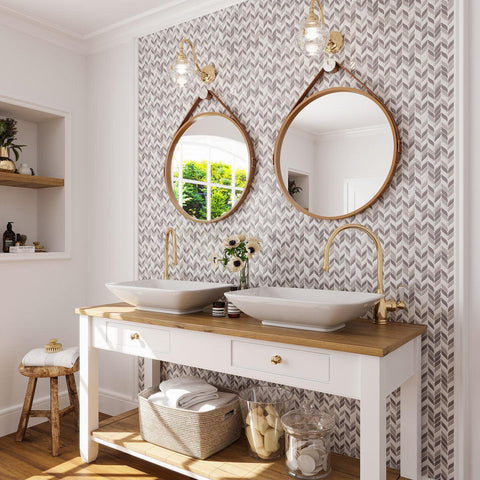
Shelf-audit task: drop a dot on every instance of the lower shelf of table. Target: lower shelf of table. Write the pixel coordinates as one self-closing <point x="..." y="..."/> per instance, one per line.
<point x="122" y="433"/>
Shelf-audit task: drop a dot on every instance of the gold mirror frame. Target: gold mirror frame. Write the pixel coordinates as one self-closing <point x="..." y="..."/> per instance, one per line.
<point x="299" y="106"/>
<point x="186" y="124"/>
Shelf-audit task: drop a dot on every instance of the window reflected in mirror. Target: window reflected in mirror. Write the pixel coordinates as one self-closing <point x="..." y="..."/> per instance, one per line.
<point x="209" y="166"/>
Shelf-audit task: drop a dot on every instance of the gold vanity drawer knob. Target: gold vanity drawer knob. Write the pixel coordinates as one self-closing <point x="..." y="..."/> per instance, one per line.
<point x="276" y="359"/>
<point x="135" y="336"/>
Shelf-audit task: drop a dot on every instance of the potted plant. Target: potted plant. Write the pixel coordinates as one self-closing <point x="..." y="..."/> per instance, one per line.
<point x="8" y="134"/>
<point x="293" y="188"/>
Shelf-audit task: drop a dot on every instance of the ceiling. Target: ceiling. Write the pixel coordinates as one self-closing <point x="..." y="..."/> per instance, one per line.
<point x="340" y="111"/>
<point x="84" y="18"/>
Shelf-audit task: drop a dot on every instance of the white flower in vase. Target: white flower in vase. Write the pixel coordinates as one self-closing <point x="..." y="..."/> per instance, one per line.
<point x="215" y="259"/>
<point x="232" y="242"/>
<point x="253" y="248"/>
<point x="238" y="251"/>
<point x="235" y="264"/>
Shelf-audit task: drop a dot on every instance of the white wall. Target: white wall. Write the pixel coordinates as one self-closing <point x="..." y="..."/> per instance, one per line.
<point x="349" y="155"/>
<point x="99" y="90"/>
<point x="298" y="155"/>
<point x="332" y="158"/>
<point x="111" y="200"/>
<point x="38" y="297"/>
<point x="469" y="331"/>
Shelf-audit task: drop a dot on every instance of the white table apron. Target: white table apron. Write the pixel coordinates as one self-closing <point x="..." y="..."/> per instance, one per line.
<point x="366" y="378"/>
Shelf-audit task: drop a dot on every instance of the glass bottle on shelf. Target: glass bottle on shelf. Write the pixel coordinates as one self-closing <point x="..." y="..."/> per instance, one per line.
<point x="8" y="238"/>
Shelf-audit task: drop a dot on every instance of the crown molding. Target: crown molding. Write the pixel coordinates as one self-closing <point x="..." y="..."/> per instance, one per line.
<point x="346" y="132"/>
<point x="356" y="131"/>
<point x="172" y="13"/>
<point x="42" y="30"/>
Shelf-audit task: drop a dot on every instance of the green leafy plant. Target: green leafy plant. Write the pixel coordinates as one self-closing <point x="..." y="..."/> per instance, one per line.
<point x="293" y="188"/>
<point x="8" y="135"/>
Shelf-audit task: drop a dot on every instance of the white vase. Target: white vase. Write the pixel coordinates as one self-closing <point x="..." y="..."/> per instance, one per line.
<point x="25" y="169"/>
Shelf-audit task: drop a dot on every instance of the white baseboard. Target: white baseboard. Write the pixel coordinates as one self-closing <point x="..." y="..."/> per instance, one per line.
<point x="110" y="403"/>
<point x="113" y="403"/>
<point x="10" y="416"/>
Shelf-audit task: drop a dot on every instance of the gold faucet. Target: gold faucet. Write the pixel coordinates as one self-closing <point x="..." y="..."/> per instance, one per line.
<point x="170" y="231"/>
<point x="383" y="306"/>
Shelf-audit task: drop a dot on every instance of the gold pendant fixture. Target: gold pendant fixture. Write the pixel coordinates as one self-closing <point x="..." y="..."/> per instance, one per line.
<point x="182" y="69"/>
<point x="315" y="38"/>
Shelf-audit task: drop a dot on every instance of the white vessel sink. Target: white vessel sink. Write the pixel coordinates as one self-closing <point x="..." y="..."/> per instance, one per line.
<point x="168" y="296"/>
<point x="307" y="309"/>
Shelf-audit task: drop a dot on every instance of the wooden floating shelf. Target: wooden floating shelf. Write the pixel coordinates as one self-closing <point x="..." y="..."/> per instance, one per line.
<point x="122" y="433"/>
<point x="29" y="181"/>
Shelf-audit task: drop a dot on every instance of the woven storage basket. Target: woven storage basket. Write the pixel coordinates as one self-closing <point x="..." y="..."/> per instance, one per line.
<point x="196" y="434"/>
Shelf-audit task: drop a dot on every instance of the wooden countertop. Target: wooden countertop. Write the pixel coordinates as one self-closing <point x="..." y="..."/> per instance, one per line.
<point x="359" y="336"/>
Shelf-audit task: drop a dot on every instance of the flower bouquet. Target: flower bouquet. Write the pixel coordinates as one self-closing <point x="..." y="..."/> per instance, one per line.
<point x="238" y="250"/>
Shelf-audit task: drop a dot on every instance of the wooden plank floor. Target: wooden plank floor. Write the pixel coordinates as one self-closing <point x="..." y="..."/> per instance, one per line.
<point x="31" y="459"/>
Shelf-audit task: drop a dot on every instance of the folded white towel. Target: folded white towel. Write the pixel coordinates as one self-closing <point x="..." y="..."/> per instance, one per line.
<point x="38" y="357"/>
<point x="224" y="398"/>
<point x="183" y="392"/>
<point x="180" y="382"/>
<point x="190" y="394"/>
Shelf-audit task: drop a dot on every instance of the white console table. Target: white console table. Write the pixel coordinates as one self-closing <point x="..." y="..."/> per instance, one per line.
<point x="362" y="361"/>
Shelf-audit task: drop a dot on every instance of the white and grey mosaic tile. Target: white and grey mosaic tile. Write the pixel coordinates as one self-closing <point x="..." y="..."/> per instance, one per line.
<point x="404" y="51"/>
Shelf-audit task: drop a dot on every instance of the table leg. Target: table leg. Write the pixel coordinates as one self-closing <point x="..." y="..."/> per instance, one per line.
<point x="372" y="419"/>
<point x="411" y="421"/>
<point x="152" y="372"/>
<point x="88" y="389"/>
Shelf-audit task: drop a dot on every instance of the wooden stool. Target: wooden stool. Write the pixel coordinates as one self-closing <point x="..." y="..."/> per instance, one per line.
<point x="54" y="414"/>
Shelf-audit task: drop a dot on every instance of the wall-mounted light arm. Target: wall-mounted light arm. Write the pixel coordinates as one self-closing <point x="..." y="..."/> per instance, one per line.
<point x="181" y="69"/>
<point x="315" y="37"/>
<point x="311" y="16"/>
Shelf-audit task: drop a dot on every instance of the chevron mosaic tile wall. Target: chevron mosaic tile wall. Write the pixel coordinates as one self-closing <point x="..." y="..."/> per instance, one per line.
<point x="404" y="52"/>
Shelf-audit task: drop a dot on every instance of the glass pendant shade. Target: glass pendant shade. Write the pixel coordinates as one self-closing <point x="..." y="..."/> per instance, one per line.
<point x="181" y="71"/>
<point x="313" y="39"/>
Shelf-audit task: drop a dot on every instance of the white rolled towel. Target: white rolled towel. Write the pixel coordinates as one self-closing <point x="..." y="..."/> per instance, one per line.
<point x="224" y="398"/>
<point x="38" y="357"/>
<point x="179" y="382"/>
<point x="183" y="392"/>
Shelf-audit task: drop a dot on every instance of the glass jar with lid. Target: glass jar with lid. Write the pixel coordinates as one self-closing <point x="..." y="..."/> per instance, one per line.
<point x="307" y="443"/>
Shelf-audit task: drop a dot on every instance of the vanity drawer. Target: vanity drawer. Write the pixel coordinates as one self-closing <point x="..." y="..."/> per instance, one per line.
<point x="284" y="361"/>
<point x="137" y="340"/>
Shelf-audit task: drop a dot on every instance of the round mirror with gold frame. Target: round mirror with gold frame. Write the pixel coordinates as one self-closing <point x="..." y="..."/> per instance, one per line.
<point x="210" y="166"/>
<point x="336" y="153"/>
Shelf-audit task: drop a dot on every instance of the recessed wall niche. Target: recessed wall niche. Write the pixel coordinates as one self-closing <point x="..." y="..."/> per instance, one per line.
<point x="38" y="205"/>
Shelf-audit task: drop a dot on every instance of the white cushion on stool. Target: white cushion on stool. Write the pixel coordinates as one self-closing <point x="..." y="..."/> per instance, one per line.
<point x="38" y="357"/>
